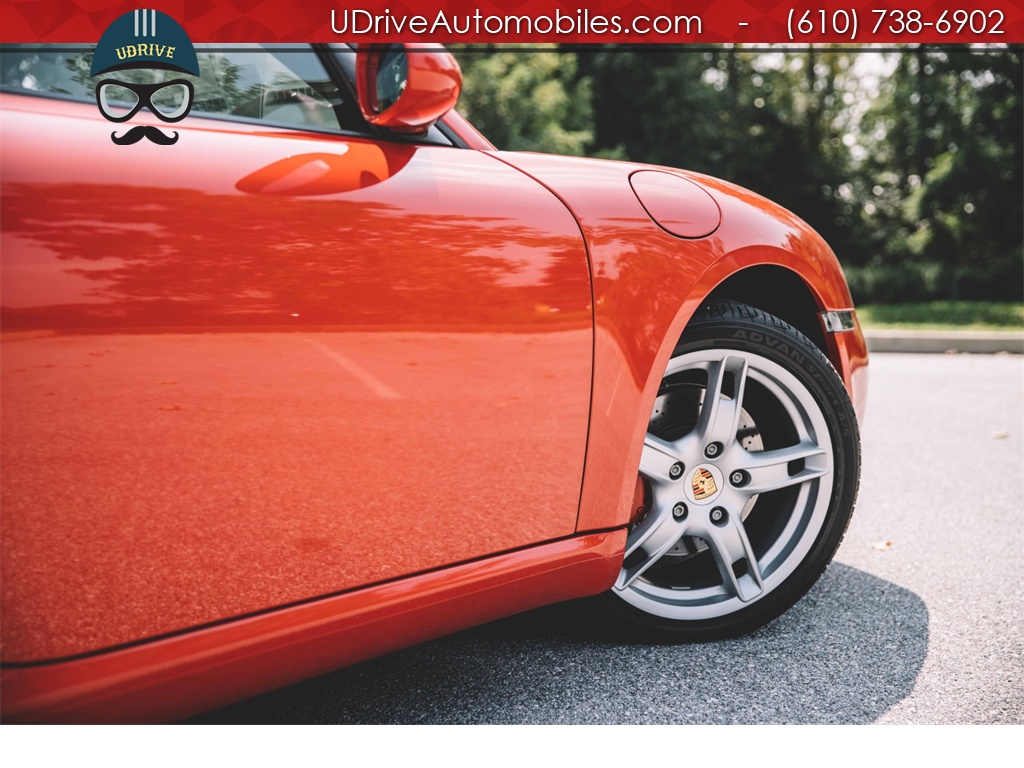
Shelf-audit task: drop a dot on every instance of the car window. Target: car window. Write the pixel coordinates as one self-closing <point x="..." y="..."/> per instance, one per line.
<point x="277" y="85"/>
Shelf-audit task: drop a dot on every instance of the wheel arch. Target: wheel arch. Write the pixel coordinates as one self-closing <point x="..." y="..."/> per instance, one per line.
<point x="647" y="285"/>
<point x="793" y="289"/>
<point x="780" y="282"/>
<point x="781" y="292"/>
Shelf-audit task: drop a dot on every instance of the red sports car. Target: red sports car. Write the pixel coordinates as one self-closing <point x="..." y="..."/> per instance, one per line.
<point x="322" y="374"/>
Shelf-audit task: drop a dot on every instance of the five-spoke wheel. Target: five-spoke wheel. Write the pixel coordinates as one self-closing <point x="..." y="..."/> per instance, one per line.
<point x="749" y="473"/>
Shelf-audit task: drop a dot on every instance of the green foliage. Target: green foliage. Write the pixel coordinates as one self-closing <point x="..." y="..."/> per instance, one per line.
<point x="900" y="281"/>
<point x="529" y="100"/>
<point x="913" y="173"/>
<point x="944" y="314"/>
<point x="947" y="140"/>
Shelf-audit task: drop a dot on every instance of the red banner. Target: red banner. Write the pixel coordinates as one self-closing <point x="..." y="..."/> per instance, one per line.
<point x="537" y="21"/>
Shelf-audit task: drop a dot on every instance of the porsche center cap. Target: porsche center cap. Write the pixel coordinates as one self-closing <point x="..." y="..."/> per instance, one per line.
<point x="704" y="484"/>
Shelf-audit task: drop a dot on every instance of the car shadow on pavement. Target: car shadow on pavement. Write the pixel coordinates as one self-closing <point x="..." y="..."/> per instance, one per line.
<point x="846" y="653"/>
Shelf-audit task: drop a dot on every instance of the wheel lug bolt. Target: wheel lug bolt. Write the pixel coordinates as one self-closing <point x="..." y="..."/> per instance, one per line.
<point x="676" y="471"/>
<point x="739" y="478"/>
<point x="679" y="511"/>
<point x="718" y="516"/>
<point x="713" y="450"/>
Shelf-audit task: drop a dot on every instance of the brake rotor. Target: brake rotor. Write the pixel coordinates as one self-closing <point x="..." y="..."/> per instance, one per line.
<point x="670" y="402"/>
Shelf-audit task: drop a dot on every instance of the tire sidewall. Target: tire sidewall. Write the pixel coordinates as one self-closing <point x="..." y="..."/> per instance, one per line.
<point x="744" y="329"/>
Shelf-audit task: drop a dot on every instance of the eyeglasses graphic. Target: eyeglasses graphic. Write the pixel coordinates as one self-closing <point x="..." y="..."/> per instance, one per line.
<point x="119" y="101"/>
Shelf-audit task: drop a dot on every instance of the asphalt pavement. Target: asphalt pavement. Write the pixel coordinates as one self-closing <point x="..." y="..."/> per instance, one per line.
<point x="918" y="620"/>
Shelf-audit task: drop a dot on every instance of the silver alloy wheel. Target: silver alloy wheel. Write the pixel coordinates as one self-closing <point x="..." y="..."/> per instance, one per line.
<point x="705" y="504"/>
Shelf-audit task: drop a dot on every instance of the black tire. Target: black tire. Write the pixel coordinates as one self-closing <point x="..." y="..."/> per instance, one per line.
<point x="780" y="473"/>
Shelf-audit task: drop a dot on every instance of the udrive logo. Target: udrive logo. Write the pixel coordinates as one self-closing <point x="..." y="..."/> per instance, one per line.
<point x="131" y="47"/>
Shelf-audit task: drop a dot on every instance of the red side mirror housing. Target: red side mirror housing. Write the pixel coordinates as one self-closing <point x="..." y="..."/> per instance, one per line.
<point x="406" y="88"/>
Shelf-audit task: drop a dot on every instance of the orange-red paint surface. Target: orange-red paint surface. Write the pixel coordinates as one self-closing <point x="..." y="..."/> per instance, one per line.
<point x="647" y="283"/>
<point x="175" y="677"/>
<point x="678" y="206"/>
<point x="305" y="367"/>
<point x="247" y="376"/>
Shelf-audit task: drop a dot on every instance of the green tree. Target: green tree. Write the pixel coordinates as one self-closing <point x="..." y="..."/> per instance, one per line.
<point x="772" y="122"/>
<point x="529" y="99"/>
<point x="945" y="167"/>
<point x="916" y="183"/>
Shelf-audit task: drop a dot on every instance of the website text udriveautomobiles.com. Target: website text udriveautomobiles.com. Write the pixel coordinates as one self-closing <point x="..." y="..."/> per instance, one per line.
<point x="583" y="22"/>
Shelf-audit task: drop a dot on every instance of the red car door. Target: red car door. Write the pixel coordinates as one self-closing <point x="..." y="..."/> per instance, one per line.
<point x="273" y="361"/>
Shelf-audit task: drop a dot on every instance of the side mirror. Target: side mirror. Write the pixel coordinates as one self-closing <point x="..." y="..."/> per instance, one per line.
<point x="406" y="89"/>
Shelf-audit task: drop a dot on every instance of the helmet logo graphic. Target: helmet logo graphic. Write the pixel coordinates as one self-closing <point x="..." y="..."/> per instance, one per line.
<point x="139" y="41"/>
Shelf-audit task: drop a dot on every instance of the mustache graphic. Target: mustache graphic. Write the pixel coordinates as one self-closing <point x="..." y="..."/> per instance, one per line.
<point x="140" y="132"/>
